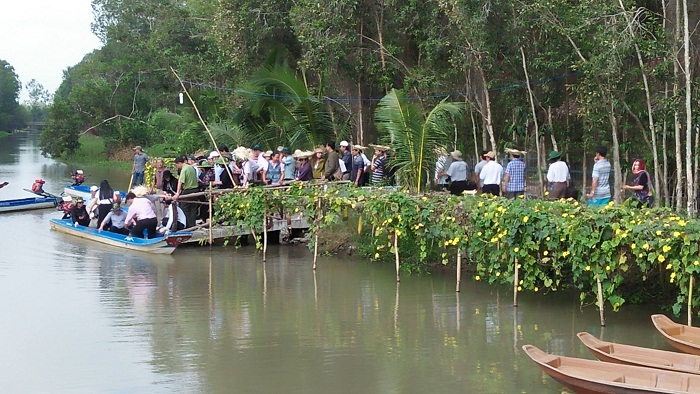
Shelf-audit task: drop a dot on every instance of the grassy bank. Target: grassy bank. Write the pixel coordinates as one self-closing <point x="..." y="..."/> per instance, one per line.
<point x="4" y="134"/>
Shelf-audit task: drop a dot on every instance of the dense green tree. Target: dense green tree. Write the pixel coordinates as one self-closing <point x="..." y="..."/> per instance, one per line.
<point x="10" y="87"/>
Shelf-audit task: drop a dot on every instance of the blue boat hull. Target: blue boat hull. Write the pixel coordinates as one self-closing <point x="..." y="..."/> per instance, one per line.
<point x="24" y="204"/>
<point x="159" y="245"/>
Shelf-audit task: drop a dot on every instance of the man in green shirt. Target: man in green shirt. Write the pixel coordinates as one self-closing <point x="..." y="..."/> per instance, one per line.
<point x="187" y="184"/>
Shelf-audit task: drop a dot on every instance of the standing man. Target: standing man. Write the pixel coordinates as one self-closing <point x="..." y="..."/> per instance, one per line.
<point x="557" y="176"/>
<point x="187" y="184"/>
<point x="346" y="158"/>
<point x="491" y="174"/>
<point x="289" y="164"/>
<point x="514" y="181"/>
<point x="331" y="162"/>
<point x="477" y="169"/>
<point x="140" y="160"/>
<point x="158" y="175"/>
<point x="379" y="164"/>
<point x="600" y="187"/>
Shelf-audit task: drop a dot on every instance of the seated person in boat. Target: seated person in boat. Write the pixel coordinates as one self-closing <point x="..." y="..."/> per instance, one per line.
<point x="38" y="186"/>
<point x="142" y="213"/>
<point x="78" y="213"/>
<point x="174" y="218"/>
<point x="116" y="220"/>
<point x="78" y="178"/>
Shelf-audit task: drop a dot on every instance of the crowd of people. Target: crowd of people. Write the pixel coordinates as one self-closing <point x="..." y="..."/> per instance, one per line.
<point x="170" y="208"/>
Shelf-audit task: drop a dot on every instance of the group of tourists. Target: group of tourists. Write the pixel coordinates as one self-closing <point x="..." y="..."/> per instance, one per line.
<point x="244" y="167"/>
<point x="489" y="177"/>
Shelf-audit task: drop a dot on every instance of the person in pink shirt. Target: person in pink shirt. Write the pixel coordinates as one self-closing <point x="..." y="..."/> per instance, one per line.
<point x="141" y="215"/>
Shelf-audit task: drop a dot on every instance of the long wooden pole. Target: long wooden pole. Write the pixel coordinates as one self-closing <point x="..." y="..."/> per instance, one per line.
<point x="265" y="236"/>
<point x="690" y="301"/>
<point x="211" y="216"/>
<point x="459" y="268"/>
<point x="515" y="284"/>
<point x="316" y="227"/>
<point x="396" y="255"/>
<point x="600" y="302"/>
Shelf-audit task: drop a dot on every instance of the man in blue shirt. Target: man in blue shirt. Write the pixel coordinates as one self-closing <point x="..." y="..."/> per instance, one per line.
<point x="514" y="181"/>
<point x="600" y="187"/>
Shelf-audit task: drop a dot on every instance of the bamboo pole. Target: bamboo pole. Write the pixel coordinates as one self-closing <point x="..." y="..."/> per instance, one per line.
<point x="316" y="227"/>
<point x="265" y="235"/>
<point x="130" y="180"/>
<point x="211" y="216"/>
<point x="459" y="268"/>
<point x="690" y="301"/>
<point x="396" y="254"/>
<point x="515" y="284"/>
<point x="600" y="302"/>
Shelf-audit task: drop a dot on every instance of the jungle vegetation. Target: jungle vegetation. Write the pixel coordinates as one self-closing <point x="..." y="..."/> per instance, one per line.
<point x="469" y="74"/>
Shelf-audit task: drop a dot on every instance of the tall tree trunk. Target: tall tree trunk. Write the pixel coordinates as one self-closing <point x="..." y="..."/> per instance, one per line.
<point x="617" y="195"/>
<point x="476" y="144"/>
<point x="379" y="21"/>
<point x="487" y="99"/>
<point x="555" y="146"/>
<point x="690" y="206"/>
<point x="650" y="114"/>
<point x="676" y="115"/>
<point x="537" y="127"/>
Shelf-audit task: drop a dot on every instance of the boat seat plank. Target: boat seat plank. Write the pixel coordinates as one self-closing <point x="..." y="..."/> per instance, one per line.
<point x="608" y="376"/>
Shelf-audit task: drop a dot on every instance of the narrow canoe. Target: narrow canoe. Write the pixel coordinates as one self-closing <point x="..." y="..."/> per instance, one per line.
<point x="682" y="337"/>
<point x="159" y="245"/>
<point x="24" y="204"/>
<point x="641" y="356"/>
<point x="592" y="376"/>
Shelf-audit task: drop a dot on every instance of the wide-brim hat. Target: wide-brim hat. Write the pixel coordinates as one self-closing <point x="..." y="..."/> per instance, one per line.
<point x="79" y="199"/>
<point x="140" y="191"/>
<point x="213" y="154"/>
<point x="304" y="154"/>
<point x="382" y="148"/>
<point x="515" y="152"/>
<point x="359" y="147"/>
<point x="241" y="153"/>
<point x="456" y="155"/>
<point x="318" y="150"/>
<point x="205" y="164"/>
<point x="554" y="155"/>
<point x="491" y="154"/>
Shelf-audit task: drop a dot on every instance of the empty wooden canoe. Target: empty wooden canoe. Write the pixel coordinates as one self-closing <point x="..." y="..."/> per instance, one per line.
<point x="682" y="337"/>
<point x="641" y="356"/>
<point x="592" y="376"/>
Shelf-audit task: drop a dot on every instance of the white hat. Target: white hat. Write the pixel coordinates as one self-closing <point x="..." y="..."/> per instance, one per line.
<point x="79" y="172"/>
<point x="214" y="154"/>
<point x="267" y="154"/>
<point x="67" y="198"/>
<point x="140" y="191"/>
<point x="93" y="188"/>
<point x="344" y="143"/>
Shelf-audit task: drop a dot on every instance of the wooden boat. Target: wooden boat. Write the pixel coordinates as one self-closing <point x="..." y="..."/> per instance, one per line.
<point x="641" y="356"/>
<point x="592" y="376"/>
<point x="159" y="245"/>
<point x="81" y="191"/>
<point x="682" y="337"/>
<point x="24" y="204"/>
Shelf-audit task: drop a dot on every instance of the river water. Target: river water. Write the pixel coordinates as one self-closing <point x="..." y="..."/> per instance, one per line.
<point x="79" y="317"/>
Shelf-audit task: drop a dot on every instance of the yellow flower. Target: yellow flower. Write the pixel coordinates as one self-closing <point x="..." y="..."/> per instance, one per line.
<point x="645" y="246"/>
<point x="498" y="274"/>
<point x="424" y="198"/>
<point x="548" y="239"/>
<point x="516" y="250"/>
<point x="661" y="258"/>
<point x="525" y="219"/>
<point x="673" y="275"/>
<point x="676" y="234"/>
<point x="447" y="243"/>
<point x="669" y="266"/>
<point x="481" y="203"/>
<point x="566" y="253"/>
<point x="536" y="289"/>
<point x="545" y="253"/>
<point x="607" y="268"/>
<point x="455" y="241"/>
<point x="696" y="262"/>
<point x="588" y="268"/>
<point x="666" y="248"/>
<point x="633" y="246"/>
<point x="520" y="288"/>
<point x="658" y="232"/>
<point x="376" y="255"/>
<point x="479" y="234"/>
<point x="477" y="277"/>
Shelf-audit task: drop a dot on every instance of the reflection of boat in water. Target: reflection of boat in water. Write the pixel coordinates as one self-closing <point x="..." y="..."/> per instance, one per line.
<point x="25" y="204"/>
<point x="641" y="356"/>
<point x="592" y="376"/>
<point x="159" y="245"/>
<point x="682" y="337"/>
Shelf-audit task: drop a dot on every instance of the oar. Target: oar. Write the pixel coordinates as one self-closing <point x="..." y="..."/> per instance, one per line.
<point x="130" y="180"/>
<point x="43" y="193"/>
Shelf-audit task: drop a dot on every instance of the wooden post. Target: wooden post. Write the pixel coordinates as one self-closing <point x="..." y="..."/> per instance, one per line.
<point x="515" y="284"/>
<point x="265" y="235"/>
<point x="211" y="215"/>
<point x="396" y="254"/>
<point x="316" y="225"/>
<point x="690" y="301"/>
<point x="600" y="302"/>
<point x="459" y="268"/>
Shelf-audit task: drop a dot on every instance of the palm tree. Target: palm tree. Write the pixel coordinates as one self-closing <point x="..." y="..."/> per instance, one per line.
<point x="279" y="109"/>
<point x="414" y="136"/>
